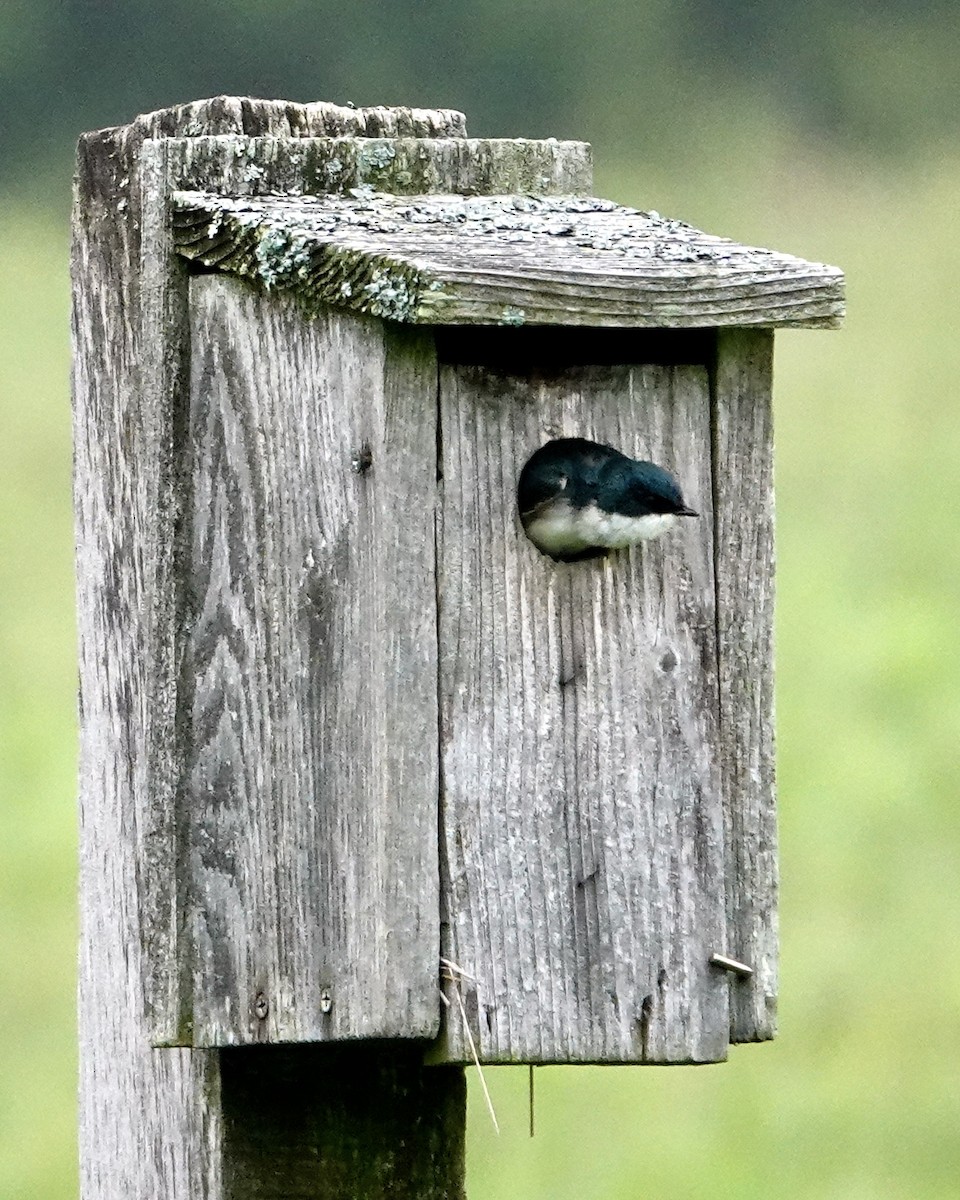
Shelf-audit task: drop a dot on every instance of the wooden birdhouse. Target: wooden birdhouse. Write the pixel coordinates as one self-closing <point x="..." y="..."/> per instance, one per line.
<point x="372" y="765"/>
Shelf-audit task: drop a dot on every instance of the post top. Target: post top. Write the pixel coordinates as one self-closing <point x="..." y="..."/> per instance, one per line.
<point x="284" y="118"/>
<point x="502" y="260"/>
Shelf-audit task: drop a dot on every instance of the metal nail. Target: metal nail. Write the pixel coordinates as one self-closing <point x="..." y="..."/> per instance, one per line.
<point x="731" y="964"/>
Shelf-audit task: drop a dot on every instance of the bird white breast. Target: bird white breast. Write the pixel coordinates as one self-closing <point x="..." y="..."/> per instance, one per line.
<point x="560" y="529"/>
<point x="555" y="529"/>
<point x="616" y="531"/>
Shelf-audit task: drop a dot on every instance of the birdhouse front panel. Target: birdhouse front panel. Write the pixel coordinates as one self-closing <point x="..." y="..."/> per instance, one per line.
<point x="308" y="811"/>
<point x="582" y="823"/>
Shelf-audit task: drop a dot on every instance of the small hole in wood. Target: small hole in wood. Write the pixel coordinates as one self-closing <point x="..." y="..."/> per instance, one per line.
<point x="589" y="877"/>
<point x="668" y="661"/>
<point x="362" y="460"/>
<point x="643" y="1020"/>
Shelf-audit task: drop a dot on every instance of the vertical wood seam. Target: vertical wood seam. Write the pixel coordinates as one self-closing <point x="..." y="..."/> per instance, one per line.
<point x="443" y="888"/>
<point x="713" y="370"/>
<point x="184" y="688"/>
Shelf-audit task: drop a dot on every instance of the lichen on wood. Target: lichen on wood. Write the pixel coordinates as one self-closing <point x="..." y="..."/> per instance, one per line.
<point x="501" y="259"/>
<point x="401" y="166"/>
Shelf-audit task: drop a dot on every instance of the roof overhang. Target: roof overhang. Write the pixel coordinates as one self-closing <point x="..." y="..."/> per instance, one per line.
<point x="502" y="260"/>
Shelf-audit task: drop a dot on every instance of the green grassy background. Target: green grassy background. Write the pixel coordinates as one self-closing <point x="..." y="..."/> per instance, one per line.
<point x="860" y="1096"/>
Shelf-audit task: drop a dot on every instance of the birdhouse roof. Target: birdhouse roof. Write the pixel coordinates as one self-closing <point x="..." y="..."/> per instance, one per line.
<point x="502" y="260"/>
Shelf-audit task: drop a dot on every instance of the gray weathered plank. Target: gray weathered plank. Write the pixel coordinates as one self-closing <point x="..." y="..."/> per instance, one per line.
<point x="743" y="450"/>
<point x="309" y="809"/>
<point x="147" y="1124"/>
<point x="253" y="117"/>
<point x="582" y="823"/>
<point x="507" y="260"/>
<point x="301" y="168"/>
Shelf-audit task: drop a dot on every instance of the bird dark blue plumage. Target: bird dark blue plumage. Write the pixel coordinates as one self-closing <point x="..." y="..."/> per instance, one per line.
<point x="579" y="499"/>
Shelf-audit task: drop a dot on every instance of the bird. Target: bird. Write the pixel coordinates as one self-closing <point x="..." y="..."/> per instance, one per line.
<point x="580" y="499"/>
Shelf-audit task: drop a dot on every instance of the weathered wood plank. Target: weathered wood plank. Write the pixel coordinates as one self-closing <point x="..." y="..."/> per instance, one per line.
<point x="286" y="119"/>
<point x="582" y="823"/>
<point x="305" y="167"/>
<point x="308" y="819"/>
<point x="743" y="458"/>
<point x="507" y="260"/>
<point x="147" y="1125"/>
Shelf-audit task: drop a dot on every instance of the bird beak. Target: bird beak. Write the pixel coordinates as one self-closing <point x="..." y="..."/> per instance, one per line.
<point x="687" y="512"/>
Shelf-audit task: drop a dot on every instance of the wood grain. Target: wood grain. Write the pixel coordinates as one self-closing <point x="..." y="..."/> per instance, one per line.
<point x="148" y="1127"/>
<point x="582" y="821"/>
<point x="308" y="817"/>
<point x="504" y="260"/>
<point x="743" y="450"/>
<point x="301" y="168"/>
<point x="252" y="117"/>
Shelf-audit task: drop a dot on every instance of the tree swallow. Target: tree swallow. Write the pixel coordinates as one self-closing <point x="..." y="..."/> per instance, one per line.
<point x="579" y="499"/>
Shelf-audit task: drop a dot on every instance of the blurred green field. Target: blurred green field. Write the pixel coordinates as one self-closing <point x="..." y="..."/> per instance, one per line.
<point x="860" y="1096"/>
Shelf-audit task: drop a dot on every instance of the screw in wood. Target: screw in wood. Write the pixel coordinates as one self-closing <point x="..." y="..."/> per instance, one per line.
<point x="326" y="1001"/>
<point x="731" y="964"/>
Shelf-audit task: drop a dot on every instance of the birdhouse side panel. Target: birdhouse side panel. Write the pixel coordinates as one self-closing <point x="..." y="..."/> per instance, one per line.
<point x="745" y="594"/>
<point x="581" y="819"/>
<point x="307" y="813"/>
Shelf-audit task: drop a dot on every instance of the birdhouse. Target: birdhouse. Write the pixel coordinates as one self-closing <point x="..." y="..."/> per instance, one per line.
<point x="404" y="775"/>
